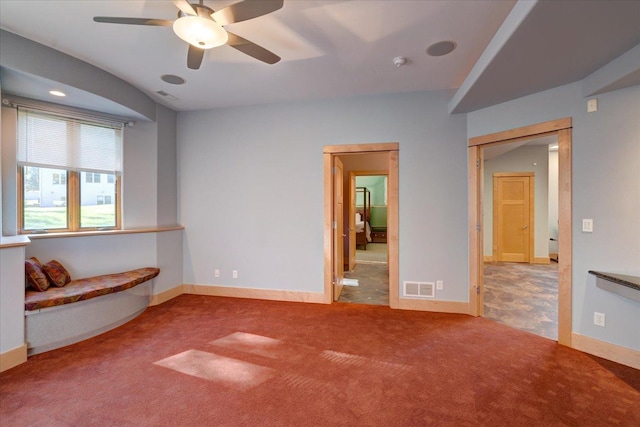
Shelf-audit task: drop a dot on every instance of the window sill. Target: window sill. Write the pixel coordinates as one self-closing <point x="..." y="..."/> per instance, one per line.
<point x="101" y="233"/>
<point x="14" y="241"/>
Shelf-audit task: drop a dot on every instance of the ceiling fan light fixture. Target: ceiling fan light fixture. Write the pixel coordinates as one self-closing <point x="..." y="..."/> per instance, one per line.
<point x="200" y="32"/>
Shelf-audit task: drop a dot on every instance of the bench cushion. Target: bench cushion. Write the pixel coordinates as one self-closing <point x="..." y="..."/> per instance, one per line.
<point x="84" y="289"/>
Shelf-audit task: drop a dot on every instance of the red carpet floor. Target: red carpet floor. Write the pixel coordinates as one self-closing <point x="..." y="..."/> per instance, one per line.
<point x="211" y="361"/>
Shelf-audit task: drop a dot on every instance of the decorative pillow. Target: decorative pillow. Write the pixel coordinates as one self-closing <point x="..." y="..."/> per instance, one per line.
<point x="57" y="274"/>
<point x="35" y="275"/>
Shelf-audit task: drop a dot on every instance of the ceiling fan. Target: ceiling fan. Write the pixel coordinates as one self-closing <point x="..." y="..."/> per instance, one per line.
<point x="202" y="27"/>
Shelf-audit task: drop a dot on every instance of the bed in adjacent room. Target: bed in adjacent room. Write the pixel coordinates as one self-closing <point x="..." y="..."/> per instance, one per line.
<point x="363" y="228"/>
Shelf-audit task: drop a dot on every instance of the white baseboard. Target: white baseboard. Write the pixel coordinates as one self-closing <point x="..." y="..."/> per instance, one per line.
<point x="13" y="358"/>
<point x="267" y="294"/>
<point x="623" y="355"/>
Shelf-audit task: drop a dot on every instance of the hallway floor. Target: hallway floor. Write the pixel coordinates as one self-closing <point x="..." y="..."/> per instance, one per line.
<point x="523" y="296"/>
<point x="373" y="285"/>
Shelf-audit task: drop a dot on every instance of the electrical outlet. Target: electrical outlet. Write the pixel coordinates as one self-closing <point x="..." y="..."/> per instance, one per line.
<point x="439" y="285"/>
<point x="235" y="274"/>
<point x="598" y="319"/>
<point x="216" y="273"/>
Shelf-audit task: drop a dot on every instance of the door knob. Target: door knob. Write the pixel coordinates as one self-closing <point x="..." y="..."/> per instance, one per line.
<point x="525" y="227"/>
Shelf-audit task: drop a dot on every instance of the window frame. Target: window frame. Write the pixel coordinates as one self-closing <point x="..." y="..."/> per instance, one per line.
<point x="72" y="203"/>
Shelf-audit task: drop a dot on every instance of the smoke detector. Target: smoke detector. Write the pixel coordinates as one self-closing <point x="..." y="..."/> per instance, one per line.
<point x="399" y="61"/>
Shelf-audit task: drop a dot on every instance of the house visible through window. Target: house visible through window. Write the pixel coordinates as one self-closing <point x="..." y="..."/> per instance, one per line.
<point x="61" y="160"/>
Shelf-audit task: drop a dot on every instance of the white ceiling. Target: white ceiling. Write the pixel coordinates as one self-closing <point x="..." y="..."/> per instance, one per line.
<point x="331" y="48"/>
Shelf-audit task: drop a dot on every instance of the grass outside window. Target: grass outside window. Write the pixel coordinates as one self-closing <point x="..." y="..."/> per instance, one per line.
<point x="76" y="206"/>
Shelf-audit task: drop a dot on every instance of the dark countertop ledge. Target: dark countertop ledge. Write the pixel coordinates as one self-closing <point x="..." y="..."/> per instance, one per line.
<point x="632" y="282"/>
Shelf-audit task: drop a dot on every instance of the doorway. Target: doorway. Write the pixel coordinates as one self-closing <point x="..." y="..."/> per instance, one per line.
<point x="333" y="281"/>
<point x="366" y="251"/>
<point x="520" y="215"/>
<point x="562" y="129"/>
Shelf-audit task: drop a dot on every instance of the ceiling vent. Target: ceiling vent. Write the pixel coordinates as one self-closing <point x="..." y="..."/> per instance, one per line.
<point x="166" y="95"/>
<point x="419" y="289"/>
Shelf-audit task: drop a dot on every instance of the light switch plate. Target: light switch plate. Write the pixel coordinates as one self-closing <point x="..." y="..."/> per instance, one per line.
<point x="592" y="105"/>
<point x="587" y="225"/>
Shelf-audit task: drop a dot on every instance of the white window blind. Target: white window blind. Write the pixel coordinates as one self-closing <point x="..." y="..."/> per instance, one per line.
<point x="51" y="141"/>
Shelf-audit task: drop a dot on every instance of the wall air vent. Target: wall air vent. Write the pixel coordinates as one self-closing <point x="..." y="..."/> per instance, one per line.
<point x="166" y="95"/>
<point x="419" y="289"/>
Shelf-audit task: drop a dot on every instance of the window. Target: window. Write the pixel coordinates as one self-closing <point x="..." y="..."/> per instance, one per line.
<point x="61" y="161"/>
<point x="59" y="178"/>
<point x="93" y="178"/>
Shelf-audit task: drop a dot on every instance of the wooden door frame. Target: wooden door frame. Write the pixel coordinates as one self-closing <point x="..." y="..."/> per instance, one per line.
<point x="338" y="232"/>
<point x="562" y="128"/>
<point x="392" y="213"/>
<point x="531" y="225"/>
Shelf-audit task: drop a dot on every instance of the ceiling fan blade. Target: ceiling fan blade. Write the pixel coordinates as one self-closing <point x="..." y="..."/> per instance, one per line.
<point x="194" y="57"/>
<point x="185" y="7"/>
<point x="133" y="21"/>
<point x="252" y="49"/>
<point x="244" y="10"/>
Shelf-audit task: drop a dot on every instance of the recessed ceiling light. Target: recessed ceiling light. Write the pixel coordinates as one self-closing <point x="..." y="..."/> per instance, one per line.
<point x="57" y="93"/>
<point x="172" y="79"/>
<point x="441" y="48"/>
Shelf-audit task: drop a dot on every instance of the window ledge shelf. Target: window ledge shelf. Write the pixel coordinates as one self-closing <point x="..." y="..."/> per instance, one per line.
<point x="626" y="286"/>
<point x="103" y="232"/>
<point x="14" y="241"/>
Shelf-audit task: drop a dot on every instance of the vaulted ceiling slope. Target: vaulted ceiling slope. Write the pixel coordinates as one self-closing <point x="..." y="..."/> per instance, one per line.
<point x="329" y="49"/>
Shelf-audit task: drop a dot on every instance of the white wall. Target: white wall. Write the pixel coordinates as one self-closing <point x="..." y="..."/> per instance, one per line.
<point x="521" y="159"/>
<point x="606" y="188"/>
<point x="11" y="298"/>
<point x="167" y="168"/>
<point x="139" y="182"/>
<point x="251" y="189"/>
<point x="94" y="255"/>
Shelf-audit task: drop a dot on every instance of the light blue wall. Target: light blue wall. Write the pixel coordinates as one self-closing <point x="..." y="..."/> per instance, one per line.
<point x="233" y="222"/>
<point x="606" y="188"/>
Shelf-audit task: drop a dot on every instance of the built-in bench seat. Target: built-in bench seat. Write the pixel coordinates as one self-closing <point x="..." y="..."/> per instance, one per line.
<point x="84" y="289"/>
<point x="58" y="317"/>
